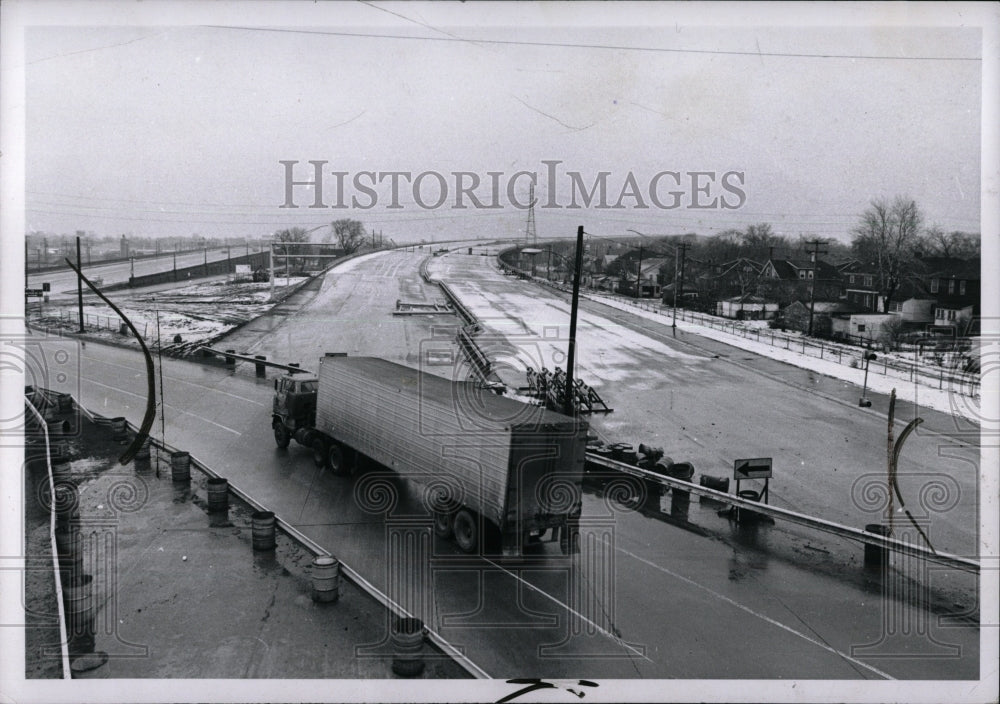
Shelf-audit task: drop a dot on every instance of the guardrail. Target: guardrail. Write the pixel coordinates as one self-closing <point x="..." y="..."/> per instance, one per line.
<point x="63" y="634"/>
<point x="953" y="561"/>
<point x="349" y="573"/>
<point x="457" y="304"/>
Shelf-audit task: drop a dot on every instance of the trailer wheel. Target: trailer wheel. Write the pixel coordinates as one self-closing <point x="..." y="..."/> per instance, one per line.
<point x="336" y="458"/>
<point x="319" y="452"/>
<point x="281" y="436"/>
<point x="466" y="529"/>
<point x="444" y="524"/>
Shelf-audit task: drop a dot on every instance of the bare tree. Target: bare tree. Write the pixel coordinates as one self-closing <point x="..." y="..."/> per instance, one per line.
<point x="961" y="245"/>
<point x="350" y="234"/>
<point x="886" y="238"/>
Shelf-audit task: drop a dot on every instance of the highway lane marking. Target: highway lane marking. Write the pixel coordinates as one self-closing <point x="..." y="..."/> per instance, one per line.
<point x="167" y="405"/>
<point x="750" y="611"/>
<point x="183" y="381"/>
<point x="571" y="610"/>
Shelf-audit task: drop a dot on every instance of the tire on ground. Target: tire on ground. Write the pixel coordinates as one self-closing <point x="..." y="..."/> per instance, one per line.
<point x="319" y="451"/>
<point x="337" y="458"/>
<point x="281" y="436"/>
<point x="466" y="527"/>
<point x="444" y="524"/>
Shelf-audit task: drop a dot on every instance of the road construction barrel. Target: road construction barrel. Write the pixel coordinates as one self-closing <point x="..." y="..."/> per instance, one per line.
<point x="326" y="579"/>
<point x="716" y="483"/>
<point x="218" y="494"/>
<point x="59" y="426"/>
<point x="66" y="503"/>
<point x="263" y="530"/>
<point x="78" y="600"/>
<point x="69" y="554"/>
<point x="60" y="468"/>
<point x="407" y="638"/>
<point x="119" y="428"/>
<point x="143" y="452"/>
<point x="180" y="466"/>
<point x="64" y="402"/>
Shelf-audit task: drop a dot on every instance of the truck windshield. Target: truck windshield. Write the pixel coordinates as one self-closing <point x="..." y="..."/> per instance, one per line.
<point x="307" y="386"/>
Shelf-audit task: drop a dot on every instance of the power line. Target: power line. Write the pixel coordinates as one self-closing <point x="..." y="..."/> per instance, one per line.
<point x="608" y="47"/>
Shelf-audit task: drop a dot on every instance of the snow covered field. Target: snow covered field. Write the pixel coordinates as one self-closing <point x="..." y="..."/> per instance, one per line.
<point x="197" y="313"/>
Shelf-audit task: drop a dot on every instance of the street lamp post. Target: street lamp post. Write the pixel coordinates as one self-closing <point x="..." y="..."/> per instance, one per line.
<point x="864" y="402"/>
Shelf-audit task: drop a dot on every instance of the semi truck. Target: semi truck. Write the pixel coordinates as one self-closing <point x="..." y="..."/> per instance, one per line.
<point x="505" y="474"/>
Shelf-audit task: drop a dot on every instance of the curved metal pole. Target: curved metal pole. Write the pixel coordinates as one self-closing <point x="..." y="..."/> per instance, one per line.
<point x="147" y="420"/>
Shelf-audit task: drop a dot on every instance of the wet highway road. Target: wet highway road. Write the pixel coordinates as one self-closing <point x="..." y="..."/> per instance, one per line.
<point x="709" y="403"/>
<point x="648" y="599"/>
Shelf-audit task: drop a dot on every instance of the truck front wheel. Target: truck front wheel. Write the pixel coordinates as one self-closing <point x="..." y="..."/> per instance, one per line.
<point x="466" y="529"/>
<point x="281" y="436"/>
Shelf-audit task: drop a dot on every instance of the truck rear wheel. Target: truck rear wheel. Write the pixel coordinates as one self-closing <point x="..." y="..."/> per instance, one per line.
<point x="281" y="436"/>
<point x="319" y="452"/>
<point x="444" y="524"/>
<point x="466" y="529"/>
<point x="336" y="458"/>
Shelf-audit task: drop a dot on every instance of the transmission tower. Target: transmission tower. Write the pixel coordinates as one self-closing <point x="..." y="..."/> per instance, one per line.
<point x="530" y="234"/>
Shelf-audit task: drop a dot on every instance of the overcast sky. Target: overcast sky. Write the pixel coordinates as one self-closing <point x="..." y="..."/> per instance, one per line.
<point x="158" y="129"/>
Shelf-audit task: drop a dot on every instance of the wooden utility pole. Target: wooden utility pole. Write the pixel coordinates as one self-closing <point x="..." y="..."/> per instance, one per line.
<point x="815" y="244"/>
<point x="678" y="279"/>
<point x="638" y="276"/>
<point x="79" y="283"/>
<point x="569" y="407"/>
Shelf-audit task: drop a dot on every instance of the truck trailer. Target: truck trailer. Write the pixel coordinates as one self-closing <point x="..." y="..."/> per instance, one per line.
<point x="500" y="469"/>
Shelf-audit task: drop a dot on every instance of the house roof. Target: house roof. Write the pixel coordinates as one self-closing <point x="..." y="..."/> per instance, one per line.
<point x="652" y="265"/>
<point x="939" y="267"/>
<point x="955" y="302"/>
<point x="788" y="269"/>
<point x="827" y="307"/>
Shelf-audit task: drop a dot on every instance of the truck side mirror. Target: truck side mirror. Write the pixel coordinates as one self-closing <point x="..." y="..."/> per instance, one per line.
<point x="275" y="384"/>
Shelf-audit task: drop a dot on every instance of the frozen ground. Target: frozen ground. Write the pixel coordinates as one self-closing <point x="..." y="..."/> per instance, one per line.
<point x="937" y="399"/>
<point x="197" y="313"/>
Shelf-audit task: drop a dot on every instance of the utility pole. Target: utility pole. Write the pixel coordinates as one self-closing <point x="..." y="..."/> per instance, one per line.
<point x="678" y="279"/>
<point x="815" y="244"/>
<point x="79" y="283"/>
<point x="569" y="407"/>
<point x="638" y="276"/>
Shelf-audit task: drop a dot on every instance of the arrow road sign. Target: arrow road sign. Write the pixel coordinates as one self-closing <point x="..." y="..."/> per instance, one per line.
<point x="756" y="468"/>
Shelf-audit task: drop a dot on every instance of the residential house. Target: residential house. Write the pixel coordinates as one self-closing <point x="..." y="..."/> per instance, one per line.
<point x="955" y="286"/>
<point x="650" y="278"/>
<point x="736" y="277"/>
<point x="788" y="280"/>
<point x="796" y="316"/>
<point x="746" y="308"/>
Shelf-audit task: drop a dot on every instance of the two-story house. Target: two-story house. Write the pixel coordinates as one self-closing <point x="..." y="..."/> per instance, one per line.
<point x="787" y="280"/>
<point x="954" y="284"/>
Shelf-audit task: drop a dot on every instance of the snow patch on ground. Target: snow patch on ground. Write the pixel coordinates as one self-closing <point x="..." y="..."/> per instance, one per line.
<point x="197" y="313"/>
<point x="945" y="400"/>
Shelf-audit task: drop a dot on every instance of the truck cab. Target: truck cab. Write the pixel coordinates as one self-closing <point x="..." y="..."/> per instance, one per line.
<point x="294" y="406"/>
